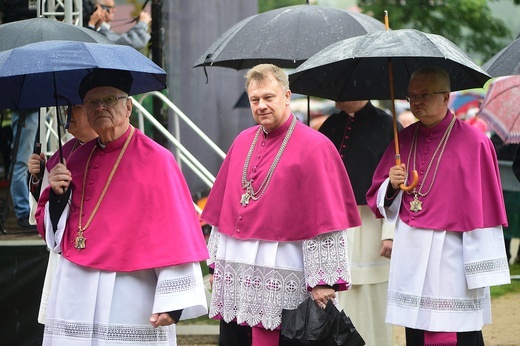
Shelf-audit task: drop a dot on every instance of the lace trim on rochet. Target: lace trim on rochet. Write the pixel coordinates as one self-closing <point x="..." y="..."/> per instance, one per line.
<point x="257" y="294"/>
<point x="486" y="266"/>
<point x="437" y="304"/>
<point x="105" y="332"/>
<point x="174" y="285"/>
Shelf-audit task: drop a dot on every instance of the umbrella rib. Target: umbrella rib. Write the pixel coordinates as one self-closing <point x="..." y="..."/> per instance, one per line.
<point x="343" y="88"/>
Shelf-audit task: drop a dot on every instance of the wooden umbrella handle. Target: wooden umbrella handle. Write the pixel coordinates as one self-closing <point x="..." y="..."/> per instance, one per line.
<point x="415" y="175"/>
<point x="415" y="180"/>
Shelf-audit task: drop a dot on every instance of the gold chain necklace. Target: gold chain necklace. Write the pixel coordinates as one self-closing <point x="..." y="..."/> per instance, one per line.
<point x="80" y="241"/>
<point x="416" y="204"/>
<point x="247" y="184"/>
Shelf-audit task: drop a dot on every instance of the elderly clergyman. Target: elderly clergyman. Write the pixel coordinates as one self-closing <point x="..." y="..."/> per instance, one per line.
<point x="121" y="215"/>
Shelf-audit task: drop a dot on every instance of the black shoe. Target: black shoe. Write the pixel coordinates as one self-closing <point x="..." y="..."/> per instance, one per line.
<point x="23" y="222"/>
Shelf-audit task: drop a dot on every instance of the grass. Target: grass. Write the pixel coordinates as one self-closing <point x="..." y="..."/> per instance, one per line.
<point x="514" y="287"/>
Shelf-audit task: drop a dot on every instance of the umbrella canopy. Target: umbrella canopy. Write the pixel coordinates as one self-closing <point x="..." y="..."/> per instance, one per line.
<point x="358" y="68"/>
<point x="462" y="101"/>
<point x="285" y="37"/>
<point x="506" y="62"/>
<point x="501" y="108"/>
<point x="22" y="32"/>
<point x="49" y="73"/>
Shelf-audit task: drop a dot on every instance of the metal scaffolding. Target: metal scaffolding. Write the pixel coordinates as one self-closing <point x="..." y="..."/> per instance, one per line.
<point x="68" y="11"/>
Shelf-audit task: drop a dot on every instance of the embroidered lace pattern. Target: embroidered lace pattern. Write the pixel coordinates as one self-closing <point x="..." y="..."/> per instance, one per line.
<point x="214" y="237"/>
<point x="436" y="304"/>
<point x="257" y="294"/>
<point x="173" y="285"/>
<point x="487" y="266"/>
<point x="326" y="259"/>
<point x="128" y="334"/>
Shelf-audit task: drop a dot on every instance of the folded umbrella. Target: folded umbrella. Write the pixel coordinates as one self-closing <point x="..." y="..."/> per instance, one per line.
<point x="308" y="324"/>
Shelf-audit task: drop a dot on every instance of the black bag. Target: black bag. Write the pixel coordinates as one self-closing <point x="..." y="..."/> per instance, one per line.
<point x="308" y="324"/>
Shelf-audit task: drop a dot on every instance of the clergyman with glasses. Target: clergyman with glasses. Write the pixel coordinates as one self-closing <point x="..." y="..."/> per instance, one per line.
<point x="448" y="242"/>
<point x="280" y="209"/>
<point x="120" y="214"/>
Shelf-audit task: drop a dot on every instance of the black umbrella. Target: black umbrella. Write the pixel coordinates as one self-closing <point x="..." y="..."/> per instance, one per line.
<point x="506" y="62"/>
<point x="285" y="37"/>
<point x="358" y="68"/>
<point x="22" y="32"/>
<point x="363" y="68"/>
<point x="308" y="324"/>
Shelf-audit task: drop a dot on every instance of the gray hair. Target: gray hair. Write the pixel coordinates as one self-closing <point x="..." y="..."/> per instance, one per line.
<point x="262" y="72"/>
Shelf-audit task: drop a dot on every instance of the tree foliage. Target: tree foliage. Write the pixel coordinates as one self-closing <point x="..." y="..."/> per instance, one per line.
<point x="267" y="5"/>
<point x="468" y="23"/>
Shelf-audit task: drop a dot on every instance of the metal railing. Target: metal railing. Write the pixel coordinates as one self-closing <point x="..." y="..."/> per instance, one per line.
<point x="182" y="155"/>
<point x="49" y="135"/>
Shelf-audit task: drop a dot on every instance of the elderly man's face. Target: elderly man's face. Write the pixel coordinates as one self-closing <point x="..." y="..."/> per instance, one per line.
<point x="108" y="110"/>
<point x="428" y="98"/>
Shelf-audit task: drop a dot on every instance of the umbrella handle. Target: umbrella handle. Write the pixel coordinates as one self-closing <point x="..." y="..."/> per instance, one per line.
<point x="415" y="175"/>
<point x="415" y="181"/>
<point x="38" y="150"/>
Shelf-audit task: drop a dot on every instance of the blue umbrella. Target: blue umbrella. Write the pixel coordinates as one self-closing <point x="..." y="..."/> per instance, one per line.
<point x="48" y="73"/>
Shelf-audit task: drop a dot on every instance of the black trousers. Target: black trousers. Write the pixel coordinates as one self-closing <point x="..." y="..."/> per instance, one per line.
<point x="415" y="337"/>
<point x="232" y="334"/>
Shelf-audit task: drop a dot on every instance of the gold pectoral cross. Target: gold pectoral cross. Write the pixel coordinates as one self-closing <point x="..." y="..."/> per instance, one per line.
<point x="80" y="241"/>
<point x="415" y="205"/>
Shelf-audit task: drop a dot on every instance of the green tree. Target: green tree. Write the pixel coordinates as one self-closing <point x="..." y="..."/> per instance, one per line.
<point x="267" y="5"/>
<point x="467" y="23"/>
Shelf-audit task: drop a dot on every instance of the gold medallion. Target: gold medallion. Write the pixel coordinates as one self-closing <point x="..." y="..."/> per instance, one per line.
<point x="80" y="241"/>
<point x="415" y="205"/>
<point x="245" y="199"/>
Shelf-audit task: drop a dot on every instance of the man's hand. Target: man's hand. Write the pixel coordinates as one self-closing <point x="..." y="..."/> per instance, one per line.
<point x="145" y="17"/>
<point x="59" y="179"/>
<point x="97" y="18"/>
<point x="322" y="294"/>
<point x="397" y="175"/>
<point x="386" y="248"/>
<point x="161" y="319"/>
<point x="34" y="164"/>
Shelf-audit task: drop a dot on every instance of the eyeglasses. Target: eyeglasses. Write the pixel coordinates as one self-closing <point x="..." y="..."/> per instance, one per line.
<point x="107" y="8"/>
<point x="423" y="96"/>
<point x="109" y="101"/>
